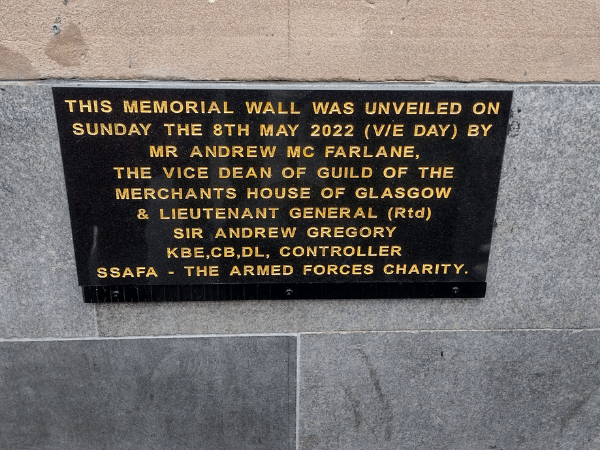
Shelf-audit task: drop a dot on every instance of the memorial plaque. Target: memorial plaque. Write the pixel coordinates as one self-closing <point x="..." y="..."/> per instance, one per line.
<point x="230" y="193"/>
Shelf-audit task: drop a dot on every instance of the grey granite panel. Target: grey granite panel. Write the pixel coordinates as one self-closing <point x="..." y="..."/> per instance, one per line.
<point x="39" y="296"/>
<point x="543" y="272"/>
<point x="545" y="265"/>
<point x="214" y="393"/>
<point x="544" y="269"/>
<point x="465" y="390"/>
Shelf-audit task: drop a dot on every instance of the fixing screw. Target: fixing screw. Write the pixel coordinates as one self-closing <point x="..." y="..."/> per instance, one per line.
<point x="455" y="290"/>
<point x="288" y="292"/>
<point x="55" y="28"/>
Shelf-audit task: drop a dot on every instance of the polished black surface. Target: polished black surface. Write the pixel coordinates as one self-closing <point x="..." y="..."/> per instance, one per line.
<point x="114" y="233"/>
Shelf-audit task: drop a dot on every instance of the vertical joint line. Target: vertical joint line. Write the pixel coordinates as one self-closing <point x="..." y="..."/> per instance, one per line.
<point x="298" y="391"/>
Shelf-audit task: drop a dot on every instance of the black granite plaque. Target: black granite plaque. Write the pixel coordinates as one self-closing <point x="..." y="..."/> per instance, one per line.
<point x="193" y="194"/>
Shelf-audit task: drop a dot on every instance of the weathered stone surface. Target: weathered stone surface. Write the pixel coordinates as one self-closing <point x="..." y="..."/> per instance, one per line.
<point x="39" y="296"/>
<point x="375" y="40"/>
<point x="450" y="390"/>
<point x="175" y="393"/>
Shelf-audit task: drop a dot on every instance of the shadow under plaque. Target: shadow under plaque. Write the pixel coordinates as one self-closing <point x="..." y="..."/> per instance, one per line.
<point x="313" y="291"/>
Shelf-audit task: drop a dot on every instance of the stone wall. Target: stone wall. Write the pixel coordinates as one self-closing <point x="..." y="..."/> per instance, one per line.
<point x="518" y="369"/>
<point x="366" y="40"/>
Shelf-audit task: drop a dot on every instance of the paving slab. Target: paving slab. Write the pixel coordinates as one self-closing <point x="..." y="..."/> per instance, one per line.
<point x="464" y="390"/>
<point x="171" y="393"/>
